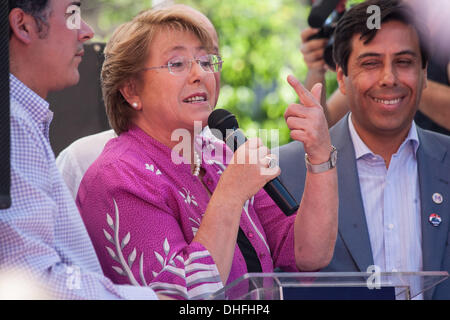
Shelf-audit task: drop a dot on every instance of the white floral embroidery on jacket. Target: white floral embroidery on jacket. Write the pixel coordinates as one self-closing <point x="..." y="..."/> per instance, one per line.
<point x="188" y="197"/>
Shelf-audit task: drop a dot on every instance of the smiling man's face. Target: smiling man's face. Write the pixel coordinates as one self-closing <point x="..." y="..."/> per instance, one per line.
<point x="385" y="80"/>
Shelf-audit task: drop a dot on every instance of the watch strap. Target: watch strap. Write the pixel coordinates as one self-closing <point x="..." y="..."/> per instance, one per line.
<point x="322" y="167"/>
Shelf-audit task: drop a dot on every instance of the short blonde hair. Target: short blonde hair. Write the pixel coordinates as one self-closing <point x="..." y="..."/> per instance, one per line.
<point x="127" y="52"/>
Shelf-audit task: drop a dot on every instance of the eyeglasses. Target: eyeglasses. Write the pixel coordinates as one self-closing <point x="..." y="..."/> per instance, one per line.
<point x="209" y="63"/>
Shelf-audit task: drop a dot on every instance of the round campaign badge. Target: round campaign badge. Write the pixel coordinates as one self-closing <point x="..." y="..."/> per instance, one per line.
<point x="437" y="198"/>
<point x="435" y="219"/>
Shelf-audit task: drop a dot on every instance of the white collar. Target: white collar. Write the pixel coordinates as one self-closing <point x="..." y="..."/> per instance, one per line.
<point x="361" y="149"/>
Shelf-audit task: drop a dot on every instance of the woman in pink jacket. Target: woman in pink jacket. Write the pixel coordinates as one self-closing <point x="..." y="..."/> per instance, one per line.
<point x="187" y="229"/>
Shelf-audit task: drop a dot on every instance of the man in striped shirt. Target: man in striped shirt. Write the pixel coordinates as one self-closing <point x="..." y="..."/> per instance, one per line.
<point x="42" y="235"/>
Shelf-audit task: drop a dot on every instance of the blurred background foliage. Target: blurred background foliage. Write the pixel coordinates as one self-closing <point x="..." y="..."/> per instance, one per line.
<point x="259" y="43"/>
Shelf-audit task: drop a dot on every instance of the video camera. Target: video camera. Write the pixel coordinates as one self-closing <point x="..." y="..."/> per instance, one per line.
<point x="325" y="15"/>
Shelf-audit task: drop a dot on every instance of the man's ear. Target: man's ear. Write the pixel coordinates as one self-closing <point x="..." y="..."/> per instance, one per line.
<point x="22" y="25"/>
<point x="129" y="91"/>
<point x="341" y="80"/>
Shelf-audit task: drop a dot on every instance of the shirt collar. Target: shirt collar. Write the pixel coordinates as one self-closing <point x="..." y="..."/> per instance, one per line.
<point x="361" y="149"/>
<point x="37" y="107"/>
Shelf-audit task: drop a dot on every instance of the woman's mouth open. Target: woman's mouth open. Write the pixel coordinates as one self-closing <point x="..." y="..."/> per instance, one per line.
<point x="196" y="98"/>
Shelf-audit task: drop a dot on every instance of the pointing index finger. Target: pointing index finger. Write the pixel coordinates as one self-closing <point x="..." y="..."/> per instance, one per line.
<point x="306" y="97"/>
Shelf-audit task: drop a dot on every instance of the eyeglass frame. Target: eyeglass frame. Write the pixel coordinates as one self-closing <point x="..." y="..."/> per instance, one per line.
<point x="220" y="62"/>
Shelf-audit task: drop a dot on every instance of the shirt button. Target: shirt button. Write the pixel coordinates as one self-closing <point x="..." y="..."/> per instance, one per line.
<point x="390" y="226"/>
<point x="262" y="255"/>
<point x="250" y="235"/>
<point x="209" y="181"/>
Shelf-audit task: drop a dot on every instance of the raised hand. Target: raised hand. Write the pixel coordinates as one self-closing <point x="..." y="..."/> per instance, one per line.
<point x="313" y="51"/>
<point x="307" y="122"/>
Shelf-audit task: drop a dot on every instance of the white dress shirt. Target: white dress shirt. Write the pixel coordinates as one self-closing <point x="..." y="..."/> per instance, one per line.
<point x="391" y="199"/>
<point x="74" y="160"/>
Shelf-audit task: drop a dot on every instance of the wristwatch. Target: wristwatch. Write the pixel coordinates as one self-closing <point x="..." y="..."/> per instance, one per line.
<point x="322" y="167"/>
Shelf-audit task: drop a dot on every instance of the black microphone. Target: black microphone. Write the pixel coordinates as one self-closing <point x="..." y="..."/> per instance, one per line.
<point x="320" y="11"/>
<point x="224" y="126"/>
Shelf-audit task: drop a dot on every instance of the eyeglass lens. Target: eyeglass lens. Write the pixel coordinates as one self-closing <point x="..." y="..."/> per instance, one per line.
<point x="209" y="63"/>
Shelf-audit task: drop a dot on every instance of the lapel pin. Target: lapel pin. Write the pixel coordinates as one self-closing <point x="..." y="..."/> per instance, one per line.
<point x="437" y="198"/>
<point x="435" y="219"/>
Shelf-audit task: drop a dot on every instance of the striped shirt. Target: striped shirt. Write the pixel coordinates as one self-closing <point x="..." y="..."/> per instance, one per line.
<point x="42" y="234"/>
<point x="391" y="199"/>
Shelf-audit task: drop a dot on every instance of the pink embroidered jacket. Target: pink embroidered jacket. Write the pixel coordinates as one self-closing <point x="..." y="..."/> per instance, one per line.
<point x="142" y="212"/>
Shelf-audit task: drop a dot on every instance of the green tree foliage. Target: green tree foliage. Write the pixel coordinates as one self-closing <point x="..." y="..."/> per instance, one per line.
<point x="259" y="42"/>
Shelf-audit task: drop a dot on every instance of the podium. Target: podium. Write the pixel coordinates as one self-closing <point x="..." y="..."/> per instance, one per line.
<point x="332" y="286"/>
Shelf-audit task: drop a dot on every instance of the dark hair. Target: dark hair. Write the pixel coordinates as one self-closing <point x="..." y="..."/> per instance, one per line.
<point x="355" y="22"/>
<point x="35" y="8"/>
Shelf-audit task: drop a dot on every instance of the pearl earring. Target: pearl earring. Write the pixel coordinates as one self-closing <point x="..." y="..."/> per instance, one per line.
<point x="135" y="105"/>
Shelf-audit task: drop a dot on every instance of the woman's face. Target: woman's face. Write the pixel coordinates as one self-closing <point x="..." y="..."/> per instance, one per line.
<point x="174" y="101"/>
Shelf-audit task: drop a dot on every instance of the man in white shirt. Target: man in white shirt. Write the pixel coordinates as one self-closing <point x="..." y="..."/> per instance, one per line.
<point x="393" y="176"/>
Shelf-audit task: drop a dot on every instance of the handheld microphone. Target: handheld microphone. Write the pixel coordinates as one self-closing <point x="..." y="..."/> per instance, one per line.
<point x="320" y="11"/>
<point x="225" y="122"/>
